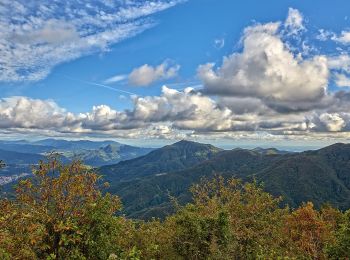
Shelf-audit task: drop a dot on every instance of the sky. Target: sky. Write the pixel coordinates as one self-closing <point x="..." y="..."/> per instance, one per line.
<point x="233" y="73"/>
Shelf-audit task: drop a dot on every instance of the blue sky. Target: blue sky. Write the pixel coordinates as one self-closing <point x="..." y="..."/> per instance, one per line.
<point x="59" y="64"/>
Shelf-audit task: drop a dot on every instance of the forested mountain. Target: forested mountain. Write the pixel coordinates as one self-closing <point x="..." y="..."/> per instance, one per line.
<point x="66" y="215"/>
<point x="151" y="185"/>
<point x="110" y="154"/>
<point x="321" y="176"/>
<point x="146" y="183"/>
<point x="178" y="156"/>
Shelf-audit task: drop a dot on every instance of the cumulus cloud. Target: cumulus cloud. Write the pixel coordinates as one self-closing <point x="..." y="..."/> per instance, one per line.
<point x="268" y="70"/>
<point x="26" y="113"/>
<point x="186" y="109"/>
<point x="146" y="74"/>
<point x="333" y="122"/>
<point x="35" y="36"/>
<point x="173" y="114"/>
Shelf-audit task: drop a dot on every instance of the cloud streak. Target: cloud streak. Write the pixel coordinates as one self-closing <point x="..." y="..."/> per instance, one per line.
<point x="36" y="36"/>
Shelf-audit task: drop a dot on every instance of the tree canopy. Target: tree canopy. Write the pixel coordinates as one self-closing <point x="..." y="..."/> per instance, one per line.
<point x="62" y="212"/>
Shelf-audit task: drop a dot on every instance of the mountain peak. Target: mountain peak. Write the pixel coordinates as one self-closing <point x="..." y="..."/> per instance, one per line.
<point x="172" y="157"/>
<point x="186" y="142"/>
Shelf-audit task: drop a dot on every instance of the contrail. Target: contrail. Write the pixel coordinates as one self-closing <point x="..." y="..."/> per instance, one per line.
<point x="100" y="85"/>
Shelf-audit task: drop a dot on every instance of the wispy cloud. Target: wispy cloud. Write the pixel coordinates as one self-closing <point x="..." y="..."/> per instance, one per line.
<point x="116" y="78"/>
<point x="219" y="43"/>
<point x="35" y="36"/>
<point x="100" y="85"/>
<point x="343" y="38"/>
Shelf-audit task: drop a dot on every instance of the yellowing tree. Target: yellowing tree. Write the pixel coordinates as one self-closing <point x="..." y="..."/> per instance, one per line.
<point x="309" y="231"/>
<point x="59" y="214"/>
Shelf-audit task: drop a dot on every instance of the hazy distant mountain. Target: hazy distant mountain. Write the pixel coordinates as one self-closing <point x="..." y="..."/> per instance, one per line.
<point x="10" y="157"/>
<point x="111" y="154"/>
<point x="48" y="145"/>
<point x="70" y="145"/>
<point x="18" y="165"/>
<point x="319" y="176"/>
<point x="269" y="151"/>
<point x="173" y="157"/>
<point x="25" y="147"/>
<point x="94" y="153"/>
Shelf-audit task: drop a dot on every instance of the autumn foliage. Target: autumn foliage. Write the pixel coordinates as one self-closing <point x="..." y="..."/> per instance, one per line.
<point x="63" y="213"/>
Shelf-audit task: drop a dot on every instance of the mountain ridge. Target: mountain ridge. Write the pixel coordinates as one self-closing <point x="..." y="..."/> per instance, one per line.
<point x="321" y="176"/>
<point x="177" y="156"/>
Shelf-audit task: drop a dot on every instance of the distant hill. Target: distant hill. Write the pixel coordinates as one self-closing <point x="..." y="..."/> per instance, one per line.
<point x="71" y="145"/>
<point x="110" y="154"/>
<point x="18" y="165"/>
<point x="10" y="157"/>
<point x="269" y="151"/>
<point x="169" y="158"/>
<point x="321" y="176"/>
<point x="25" y="147"/>
<point x="94" y="153"/>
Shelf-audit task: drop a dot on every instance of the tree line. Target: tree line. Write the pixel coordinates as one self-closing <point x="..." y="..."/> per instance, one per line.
<point x="63" y="213"/>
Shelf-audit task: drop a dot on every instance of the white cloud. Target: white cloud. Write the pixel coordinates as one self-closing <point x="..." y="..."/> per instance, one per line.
<point x="26" y="113"/>
<point x="324" y="35"/>
<point x="340" y="62"/>
<point x="267" y="90"/>
<point x="146" y="74"/>
<point x="342" y="80"/>
<point x="52" y="32"/>
<point x="333" y="122"/>
<point x="344" y="38"/>
<point x="173" y="114"/>
<point x="294" y="22"/>
<point x="35" y="36"/>
<point x="266" y="69"/>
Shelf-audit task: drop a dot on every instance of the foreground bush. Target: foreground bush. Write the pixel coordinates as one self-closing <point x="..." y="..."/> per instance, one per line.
<point x="60" y="213"/>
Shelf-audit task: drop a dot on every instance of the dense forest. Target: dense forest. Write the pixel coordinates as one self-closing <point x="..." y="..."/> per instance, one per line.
<point x="63" y="212"/>
<point x="144" y="183"/>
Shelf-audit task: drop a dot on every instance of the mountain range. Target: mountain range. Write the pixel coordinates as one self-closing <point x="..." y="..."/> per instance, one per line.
<point x="145" y="184"/>
<point x="147" y="179"/>
<point x="94" y="153"/>
<point x="20" y="155"/>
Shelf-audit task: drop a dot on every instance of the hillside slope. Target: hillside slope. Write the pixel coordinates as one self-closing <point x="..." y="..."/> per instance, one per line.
<point x="321" y="176"/>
